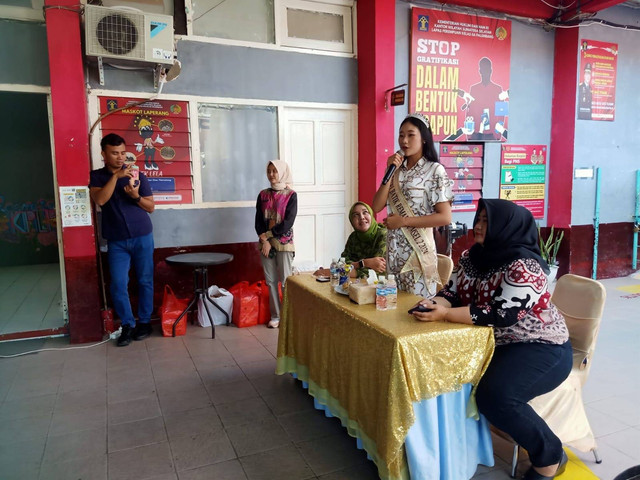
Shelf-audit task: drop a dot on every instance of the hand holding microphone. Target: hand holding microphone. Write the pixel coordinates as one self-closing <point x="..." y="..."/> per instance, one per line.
<point x="394" y="161"/>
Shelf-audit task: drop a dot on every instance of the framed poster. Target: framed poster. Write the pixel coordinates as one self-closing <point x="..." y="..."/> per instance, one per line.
<point x="158" y="141"/>
<point x="460" y="74"/>
<point x="463" y="163"/>
<point x="597" y="83"/>
<point x="522" y="176"/>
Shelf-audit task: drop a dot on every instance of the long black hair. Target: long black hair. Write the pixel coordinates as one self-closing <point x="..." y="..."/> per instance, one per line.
<point x="428" y="147"/>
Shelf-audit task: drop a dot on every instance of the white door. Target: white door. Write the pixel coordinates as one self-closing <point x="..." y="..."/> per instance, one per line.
<point x="319" y="147"/>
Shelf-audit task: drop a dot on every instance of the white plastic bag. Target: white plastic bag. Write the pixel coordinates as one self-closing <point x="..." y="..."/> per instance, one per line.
<point x="221" y="297"/>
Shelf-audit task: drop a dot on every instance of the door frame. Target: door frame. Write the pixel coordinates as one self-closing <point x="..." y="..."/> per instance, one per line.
<point x="63" y="330"/>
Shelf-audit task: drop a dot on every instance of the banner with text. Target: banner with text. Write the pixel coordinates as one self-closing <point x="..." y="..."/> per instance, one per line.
<point x="522" y="176"/>
<point x="460" y="74"/>
<point x="597" y="85"/>
<point x="158" y="141"/>
<point x="463" y="163"/>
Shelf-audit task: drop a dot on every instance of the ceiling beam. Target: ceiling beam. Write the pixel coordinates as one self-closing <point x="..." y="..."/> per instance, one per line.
<point x="534" y="8"/>
<point x="597" y="5"/>
<point x="521" y="8"/>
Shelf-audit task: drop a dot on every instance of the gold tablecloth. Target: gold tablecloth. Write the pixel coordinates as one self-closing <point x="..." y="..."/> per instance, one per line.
<point x="369" y="366"/>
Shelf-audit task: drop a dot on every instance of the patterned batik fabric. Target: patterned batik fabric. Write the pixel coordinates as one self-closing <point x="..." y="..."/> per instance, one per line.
<point x="273" y="204"/>
<point x="424" y="185"/>
<point x="513" y="299"/>
<point x="356" y="249"/>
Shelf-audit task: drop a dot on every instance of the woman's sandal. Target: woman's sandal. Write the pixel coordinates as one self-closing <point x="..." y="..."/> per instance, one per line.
<point x="533" y="475"/>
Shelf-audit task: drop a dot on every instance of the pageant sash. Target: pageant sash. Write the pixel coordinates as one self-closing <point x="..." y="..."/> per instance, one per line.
<point x="423" y="261"/>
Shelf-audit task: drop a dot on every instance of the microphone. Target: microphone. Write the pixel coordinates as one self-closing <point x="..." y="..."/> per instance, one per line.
<point x="390" y="170"/>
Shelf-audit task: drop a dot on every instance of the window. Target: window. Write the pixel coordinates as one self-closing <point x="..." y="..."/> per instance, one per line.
<point x="236" y="143"/>
<point x="307" y="24"/>
<point x="247" y="20"/>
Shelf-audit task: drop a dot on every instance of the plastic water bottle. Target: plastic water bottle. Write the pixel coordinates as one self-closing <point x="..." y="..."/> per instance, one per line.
<point x="381" y="294"/>
<point x="335" y="273"/>
<point x="392" y="292"/>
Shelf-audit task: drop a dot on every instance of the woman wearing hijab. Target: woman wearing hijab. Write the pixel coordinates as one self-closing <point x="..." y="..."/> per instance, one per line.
<point x="276" y="210"/>
<point x="366" y="247"/>
<point x="500" y="282"/>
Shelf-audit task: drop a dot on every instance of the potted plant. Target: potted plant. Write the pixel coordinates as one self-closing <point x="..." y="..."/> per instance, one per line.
<point x="549" y="250"/>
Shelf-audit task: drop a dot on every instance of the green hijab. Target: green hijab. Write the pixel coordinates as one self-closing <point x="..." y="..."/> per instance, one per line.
<point x="370" y="234"/>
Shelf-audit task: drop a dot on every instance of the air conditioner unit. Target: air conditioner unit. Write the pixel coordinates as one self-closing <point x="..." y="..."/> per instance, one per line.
<point x="128" y="36"/>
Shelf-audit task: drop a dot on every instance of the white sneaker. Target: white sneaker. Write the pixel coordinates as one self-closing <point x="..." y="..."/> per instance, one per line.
<point x="273" y="323"/>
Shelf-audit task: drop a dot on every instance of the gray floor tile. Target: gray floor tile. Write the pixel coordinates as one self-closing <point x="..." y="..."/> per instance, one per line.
<point x="231" y="392"/>
<point x="271" y="384"/>
<point x="256" y="437"/>
<point x="259" y="369"/>
<point x="191" y="399"/>
<point x="290" y="402"/>
<point x="244" y="411"/>
<point x="84" y="419"/>
<point x="310" y="424"/>
<point x="85" y="443"/>
<point x="24" y="429"/>
<point x="330" y="454"/>
<point x="366" y="471"/>
<point x="192" y="422"/>
<point x="229" y="470"/>
<point x="21" y="460"/>
<point x="26" y="387"/>
<point x="627" y="441"/>
<point x="124" y="436"/>
<point x="216" y="375"/>
<point x="193" y="451"/>
<point x="178" y="384"/>
<point x="141" y="463"/>
<point x="280" y="463"/>
<point x="252" y="355"/>
<point x="69" y="402"/>
<point x="623" y="408"/>
<point x="134" y="410"/>
<point x="130" y="391"/>
<point x="216" y="358"/>
<point x="85" y="468"/>
<point x="27" y="407"/>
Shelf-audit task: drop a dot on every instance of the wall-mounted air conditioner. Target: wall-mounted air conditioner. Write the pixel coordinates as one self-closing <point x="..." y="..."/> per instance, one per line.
<point x="128" y="36"/>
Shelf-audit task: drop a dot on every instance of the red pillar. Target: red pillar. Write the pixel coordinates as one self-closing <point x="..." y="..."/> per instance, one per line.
<point x="563" y="125"/>
<point x="376" y="73"/>
<point x="70" y="132"/>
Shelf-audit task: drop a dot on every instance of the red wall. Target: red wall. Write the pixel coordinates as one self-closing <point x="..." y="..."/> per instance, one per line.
<point x="70" y="131"/>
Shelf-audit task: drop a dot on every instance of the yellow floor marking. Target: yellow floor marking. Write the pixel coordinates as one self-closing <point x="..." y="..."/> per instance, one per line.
<point x="576" y="470"/>
<point x="630" y="288"/>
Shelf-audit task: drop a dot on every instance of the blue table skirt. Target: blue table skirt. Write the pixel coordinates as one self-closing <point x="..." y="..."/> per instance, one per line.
<point x="462" y="443"/>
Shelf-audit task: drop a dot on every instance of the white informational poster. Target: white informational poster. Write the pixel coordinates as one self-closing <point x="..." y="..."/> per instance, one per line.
<point x="76" y="206"/>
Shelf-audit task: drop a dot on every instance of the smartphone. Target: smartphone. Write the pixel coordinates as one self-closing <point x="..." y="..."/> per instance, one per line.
<point x="322" y="279"/>
<point x="419" y="308"/>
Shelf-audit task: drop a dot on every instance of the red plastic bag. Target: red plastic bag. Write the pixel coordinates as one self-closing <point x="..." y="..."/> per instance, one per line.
<point x="170" y="310"/>
<point x="246" y="304"/>
<point x="264" y="312"/>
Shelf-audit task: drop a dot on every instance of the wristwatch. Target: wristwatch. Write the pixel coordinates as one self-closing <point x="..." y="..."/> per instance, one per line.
<point x="361" y="262"/>
<point x="137" y="200"/>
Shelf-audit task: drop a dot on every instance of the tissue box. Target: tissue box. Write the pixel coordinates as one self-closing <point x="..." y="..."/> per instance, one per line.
<point x="362" y="293"/>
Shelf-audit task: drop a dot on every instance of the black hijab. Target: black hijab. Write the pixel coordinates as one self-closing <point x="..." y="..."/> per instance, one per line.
<point x="511" y="234"/>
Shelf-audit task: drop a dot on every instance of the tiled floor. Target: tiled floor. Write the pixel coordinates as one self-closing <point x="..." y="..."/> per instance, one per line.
<point x="30" y="298"/>
<point x="195" y="408"/>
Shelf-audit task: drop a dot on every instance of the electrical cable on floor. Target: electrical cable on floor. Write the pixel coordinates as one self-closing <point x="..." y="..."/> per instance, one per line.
<point x="112" y="336"/>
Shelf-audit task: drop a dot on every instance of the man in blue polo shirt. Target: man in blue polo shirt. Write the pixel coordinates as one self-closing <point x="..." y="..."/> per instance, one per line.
<point x="126" y="205"/>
